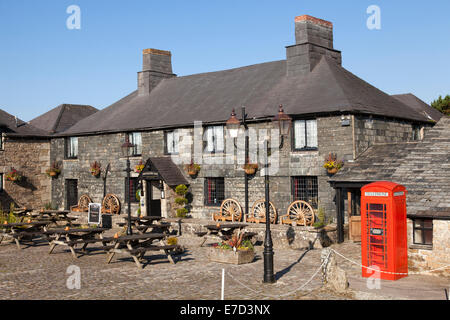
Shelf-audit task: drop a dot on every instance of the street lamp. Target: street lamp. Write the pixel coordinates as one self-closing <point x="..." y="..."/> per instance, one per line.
<point x="283" y="122"/>
<point x="127" y="149"/>
<point x="233" y="124"/>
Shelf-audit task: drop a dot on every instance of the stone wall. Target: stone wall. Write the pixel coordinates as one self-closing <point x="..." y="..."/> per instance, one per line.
<point x="334" y="136"/>
<point x="31" y="158"/>
<point x="422" y="258"/>
<point x="371" y="130"/>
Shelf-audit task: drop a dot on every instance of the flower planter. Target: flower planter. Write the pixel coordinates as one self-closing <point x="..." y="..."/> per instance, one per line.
<point x="230" y="256"/>
<point x="332" y="171"/>
<point x="250" y="171"/>
<point x="53" y="173"/>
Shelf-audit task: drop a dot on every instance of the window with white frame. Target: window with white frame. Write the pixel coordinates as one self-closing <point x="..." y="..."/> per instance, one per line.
<point x="71" y="147"/>
<point x="305" y="135"/>
<point x="214" y="139"/>
<point x="135" y="138"/>
<point x="172" y="138"/>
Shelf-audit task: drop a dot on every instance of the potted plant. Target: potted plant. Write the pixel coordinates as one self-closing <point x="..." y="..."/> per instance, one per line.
<point x="192" y="169"/>
<point x="13" y="175"/>
<point x="53" y="171"/>
<point x="139" y="167"/>
<point x="181" y="201"/>
<point x="332" y="164"/>
<point x="96" y="169"/>
<point x="250" y="168"/>
<point x="234" y="251"/>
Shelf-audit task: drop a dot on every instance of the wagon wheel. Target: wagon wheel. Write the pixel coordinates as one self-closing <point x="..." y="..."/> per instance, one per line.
<point x="259" y="210"/>
<point x="83" y="203"/>
<point x="302" y="212"/>
<point x="231" y="208"/>
<point x="111" y="204"/>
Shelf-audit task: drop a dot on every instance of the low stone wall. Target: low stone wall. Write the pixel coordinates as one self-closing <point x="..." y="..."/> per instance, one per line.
<point x="423" y="258"/>
<point x="283" y="236"/>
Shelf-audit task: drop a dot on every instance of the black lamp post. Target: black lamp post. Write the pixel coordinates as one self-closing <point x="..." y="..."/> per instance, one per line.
<point x="127" y="149"/>
<point x="283" y="122"/>
<point x="233" y="124"/>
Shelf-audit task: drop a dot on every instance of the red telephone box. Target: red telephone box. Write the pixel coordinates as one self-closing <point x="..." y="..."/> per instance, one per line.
<point x="383" y="230"/>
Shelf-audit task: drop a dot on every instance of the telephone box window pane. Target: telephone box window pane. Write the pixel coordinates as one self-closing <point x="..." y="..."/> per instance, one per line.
<point x="375" y="207"/>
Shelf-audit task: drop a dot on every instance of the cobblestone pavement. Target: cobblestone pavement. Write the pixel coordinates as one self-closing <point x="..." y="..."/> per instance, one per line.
<point x="31" y="273"/>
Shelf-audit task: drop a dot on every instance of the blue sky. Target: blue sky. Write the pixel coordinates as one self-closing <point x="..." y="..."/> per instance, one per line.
<point x="44" y="64"/>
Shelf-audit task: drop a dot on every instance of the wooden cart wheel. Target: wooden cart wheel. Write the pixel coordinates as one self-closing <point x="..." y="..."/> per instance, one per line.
<point x="258" y="211"/>
<point x="111" y="203"/>
<point x="302" y="212"/>
<point x="231" y="208"/>
<point x="83" y="203"/>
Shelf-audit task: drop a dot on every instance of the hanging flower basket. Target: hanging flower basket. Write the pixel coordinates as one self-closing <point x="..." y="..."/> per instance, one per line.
<point x="139" y="167"/>
<point x="250" y="168"/>
<point x="96" y="169"/>
<point x="332" y="164"/>
<point x="13" y="176"/>
<point x="53" y="171"/>
<point x="192" y="169"/>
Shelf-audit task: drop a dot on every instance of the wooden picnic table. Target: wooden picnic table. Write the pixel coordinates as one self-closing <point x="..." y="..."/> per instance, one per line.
<point x="23" y="230"/>
<point x="54" y="216"/>
<point x="74" y="236"/>
<point x="143" y="223"/>
<point x="222" y="231"/>
<point x="137" y="245"/>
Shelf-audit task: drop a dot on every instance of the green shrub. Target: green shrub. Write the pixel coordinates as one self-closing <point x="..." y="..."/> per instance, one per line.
<point x="181" y="201"/>
<point x="181" y="212"/>
<point x="181" y="190"/>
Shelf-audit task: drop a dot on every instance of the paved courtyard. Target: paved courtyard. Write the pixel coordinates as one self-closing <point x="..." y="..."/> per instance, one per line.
<point x="31" y="273"/>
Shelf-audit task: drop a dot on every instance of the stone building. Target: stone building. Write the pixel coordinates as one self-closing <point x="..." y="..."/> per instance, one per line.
<point x="423" y="168"/>
<point x="25" y="148"/>
<point x="333" y="111"/>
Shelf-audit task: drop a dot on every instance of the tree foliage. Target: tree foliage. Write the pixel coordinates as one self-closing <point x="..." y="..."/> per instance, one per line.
<point x="442" y="104"/>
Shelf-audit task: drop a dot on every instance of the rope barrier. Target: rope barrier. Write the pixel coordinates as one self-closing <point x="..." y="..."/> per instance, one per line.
<point x="387" y="272"/>
<point x="288" y="293"/>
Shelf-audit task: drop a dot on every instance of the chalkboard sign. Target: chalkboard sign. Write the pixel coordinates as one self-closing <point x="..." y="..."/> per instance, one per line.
<point x="95" y="213"/>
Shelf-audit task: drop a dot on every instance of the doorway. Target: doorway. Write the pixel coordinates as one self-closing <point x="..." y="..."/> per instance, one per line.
<point x="71" y="193"/>
<point x="153" y="198"/>
<point x="354" y="214"/>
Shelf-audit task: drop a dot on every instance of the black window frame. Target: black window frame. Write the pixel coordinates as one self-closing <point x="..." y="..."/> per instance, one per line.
<point x="306" y="148"/>
<point x="134" y="151"/>
<point x="219" y="190"/>
<point x="422" y="229"/>
<point x="67" y="143"/>
<point x="312" y="196"/>
<point x="133" y="185"/>
<point x="166" y="149"/>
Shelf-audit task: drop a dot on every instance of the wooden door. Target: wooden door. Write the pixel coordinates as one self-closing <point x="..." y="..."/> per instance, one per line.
<point x="153" y="198"/>
<point x="71" y="193"/>
<point x="354" y="215"/>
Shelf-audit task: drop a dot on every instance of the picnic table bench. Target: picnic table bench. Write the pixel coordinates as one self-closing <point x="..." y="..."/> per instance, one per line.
<point x="222" y="231"/>
<point x="74" y="236"/>
<point x="137" y="245"/>
<point x="54" y="216"/>
<point x="143" y="228"/>
<point x="20" y="231"/>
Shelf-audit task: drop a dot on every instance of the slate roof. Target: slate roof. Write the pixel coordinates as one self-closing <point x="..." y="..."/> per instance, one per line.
<point x="169" y="171"/>
<point x="12" y="126"/>
<point x="420" y="106"/>
<point x="62" y="117"/>
<point x="423" y="167"/>
<point x="261" y="88"/>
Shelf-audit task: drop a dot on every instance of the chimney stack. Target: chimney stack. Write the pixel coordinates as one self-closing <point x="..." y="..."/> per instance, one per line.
<point x="313" y="39"/>
<point x="156" y="66"/>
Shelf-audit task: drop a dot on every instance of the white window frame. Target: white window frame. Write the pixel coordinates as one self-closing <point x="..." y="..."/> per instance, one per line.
<point x="172" y="141"/>
<point x="136" y="139"/>
<point x="72" y="148"/>
<point x="215" y="139"/>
